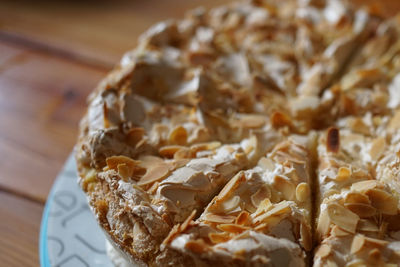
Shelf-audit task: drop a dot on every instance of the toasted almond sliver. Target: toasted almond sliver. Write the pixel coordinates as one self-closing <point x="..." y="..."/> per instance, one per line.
<point x="231" y="185"/>
<point x="377" y="147"/>
<point x="250" y="121"/>
<point x="189" y="219"/>
<point x="242" y="218"/>
<point x="343" y="174"/>
<point x="376" y="242"/>
<point x="282" y="207"/>
<point x="323" y="224"/>
<point x="364" y="185"/>
<point x="357" y="244"/>
<point x="337" y="231"/>
<point x="383" y="201"/>
<point x="266" y="164"/>
<point x="262" y="193"/>
<point x="169" y="151"/>
<point x="113" y="161"/>
<point x="323" y="251"/>
<point x="125" y="171"/>
<point x="355" y="197"/>
<point x="367" y="226"/>
<point x="343" y="217"/>
<point x="333" y="140"/>
<point x="197" y="246"/>
<point x="230" y="204"/>
<point x="232" y="228"/>
<point x="279" y="120"/>
<point x="284" y="186"/>
<point x="263" y="206"/>
<point x="374" y="256"/>
<point x="135" y="135"/>
<point x="361" y="209"/>
<point x="306" y="237"/>
<point x="178" y="136"/>
<point x="154" y="174"/>
<point x="205" y="146"/>
<point x="303" y="192"/>
<point x="219" y="237"/>
<point x="216" y="218"/>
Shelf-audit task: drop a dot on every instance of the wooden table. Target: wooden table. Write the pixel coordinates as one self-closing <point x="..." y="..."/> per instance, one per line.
<point x="52" y="54"/>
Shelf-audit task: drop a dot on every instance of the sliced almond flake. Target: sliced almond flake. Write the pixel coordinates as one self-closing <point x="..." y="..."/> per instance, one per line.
<point x="230" y="204"/>
<point x="374" y="256"/>
<point x="279" y="120"/>
<point x="306" y="237"/>
<point x="337" y="231"/>
<point x="383" y="201"/>
<point x="263" y="207"/>
<point x="376" y="242"/>
<point x="156" y="173"/>
<point x="232" y="228"/>
<point x="205" y="146"/>
<point x="377" y="147"/>
<point x="394" y="123"/>
<point x="330" y="263"/>
<point x="135" y="135"/>
<point x="303" y="192"/>
<point x="216" y="218"/>
<point x="178" y="136"/>
<point x="125" y="171"/>
<point x="231" y="185"/>
<point x="355" y="197"/>
<point x="364" y="185"/>
<point x="184" y="153"/>
<point x="178" y="163"/>
<point x="249" y="121"/>
<point x="343" y="174"/>
<point x="361" y="209"/>
<point x="357" y="243"/>
<point x="174" y="231"/>
<point x="188" y="220"/>
<point x="278" y="209"/>
<point x="323" y="251"/>
<point x="261" y="227"/>
<point x="219" y="237"/>
<point x="242" y="218"/>
<point x="333" y="140"/>
<point x="343" y="217"/>
<point x="113" y="161"/>
<point x="147" y="162"/>
<point x="367" y="226"/>
<point x="284" y="186"/>
<point x="357" y="125"/>
<point x="197" y="246"/>
<point x="266" y="164"/>
<point x="262" y="193"/>
<point x="169" y="151"/>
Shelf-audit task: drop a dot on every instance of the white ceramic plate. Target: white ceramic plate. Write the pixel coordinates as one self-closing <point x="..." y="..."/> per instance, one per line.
<point x="69" y="234"/>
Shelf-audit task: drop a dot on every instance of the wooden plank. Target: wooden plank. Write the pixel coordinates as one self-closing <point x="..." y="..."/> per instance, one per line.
<point x="42" y="99"/>
<point x="97" y="31"/>
<point x="19" y="228"/>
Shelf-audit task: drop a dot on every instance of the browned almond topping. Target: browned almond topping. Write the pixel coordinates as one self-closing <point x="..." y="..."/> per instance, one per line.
<point x="112" y="162"/>
<point x="279" y="120"/>
<point x="306" y="237"/>
<point x="231" y="185"/>
<point x="364" y="185"/>
<point x="377" y="147"/>
<point x="125" y="171"/>
<point x="343" y="217"/>
<point x="367" y="226"/>
<point x="178" y="136"/>
<point x="357" y="244"/>
<point x="197" y="246"/>
<point x="231" y="204"/>
<point x="355" y="197"/>
<point x="376" y="242"/>
<point x="323" y="251"/>
<point x="284" y="186"/>
<point x="337" y="231"/>
<point x="242" y="218"/>
<point x="263" y="206"/>
<point x="323" y="224"/>
<point x="343" y="174"/>
<point x="174" y="231"/>
<point x="333" y="140"/>
<point x="261" y="194"/>
<point x="135" y="135"/>
<point x="303" y="192"/>
<point x="374" y="256"/>
<point x="169" y="151"/>
<point x="189" y="219"/>
<point x="232" y="228"/>
<point x="216" y="218"/>
<point x="219" y="237"/>
<point x="361" y="209"/>
<point x="383" y="201"/>
<point x="184" y="153"/>
<point x="155" y="174"/>
<point x="250" y="121"/>
<point x="205" y="146"/>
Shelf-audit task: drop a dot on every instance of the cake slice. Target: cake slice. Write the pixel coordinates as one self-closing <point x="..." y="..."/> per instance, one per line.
<point x="261" y="217"/>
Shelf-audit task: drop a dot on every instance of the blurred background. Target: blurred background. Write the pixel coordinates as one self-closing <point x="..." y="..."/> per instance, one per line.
<point x="52" y="54"/>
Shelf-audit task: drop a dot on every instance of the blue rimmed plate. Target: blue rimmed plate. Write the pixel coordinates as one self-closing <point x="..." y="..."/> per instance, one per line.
<point x="69" y="234"/>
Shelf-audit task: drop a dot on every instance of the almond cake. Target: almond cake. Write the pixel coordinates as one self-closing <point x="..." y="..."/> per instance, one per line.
<point x="262" y="133"/>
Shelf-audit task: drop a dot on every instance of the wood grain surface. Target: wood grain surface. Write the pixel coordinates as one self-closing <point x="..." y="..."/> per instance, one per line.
<point x="52" y="54"/>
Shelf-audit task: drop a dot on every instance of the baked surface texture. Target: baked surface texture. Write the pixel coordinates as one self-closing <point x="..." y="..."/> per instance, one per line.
<point x="263" y="133"/>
